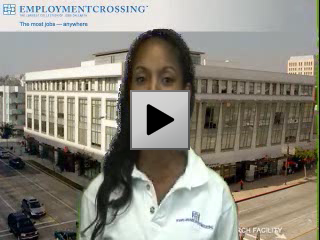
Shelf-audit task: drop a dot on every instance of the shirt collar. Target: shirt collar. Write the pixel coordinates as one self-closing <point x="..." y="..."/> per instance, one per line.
<point x="196" y="173"/>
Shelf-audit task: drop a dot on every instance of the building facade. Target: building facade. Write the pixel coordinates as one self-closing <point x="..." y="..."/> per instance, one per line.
<point x="12" y="106"/>
<point x="240" y="115"/>
<point x="303" y="65"/>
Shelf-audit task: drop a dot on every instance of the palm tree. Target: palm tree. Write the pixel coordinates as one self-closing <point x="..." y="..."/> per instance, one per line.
<point x="6" y="131"/>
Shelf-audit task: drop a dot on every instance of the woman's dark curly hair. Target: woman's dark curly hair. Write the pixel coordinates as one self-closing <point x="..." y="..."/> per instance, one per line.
<point x="120" y="160"/>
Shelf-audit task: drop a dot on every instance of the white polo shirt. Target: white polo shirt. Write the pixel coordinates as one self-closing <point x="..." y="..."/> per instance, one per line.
<point x="198" y="207"/>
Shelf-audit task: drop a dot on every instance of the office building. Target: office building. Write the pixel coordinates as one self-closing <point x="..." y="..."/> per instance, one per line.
<point x="241" y="117"/>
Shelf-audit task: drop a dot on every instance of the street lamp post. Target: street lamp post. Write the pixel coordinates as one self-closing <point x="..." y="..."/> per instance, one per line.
<point x="286" y="173"/>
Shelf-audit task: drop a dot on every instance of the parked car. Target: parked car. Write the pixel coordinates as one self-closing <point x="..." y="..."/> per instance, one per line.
<point x="17" y="163"/>
<point x="4" y="154"/>
<point x="65" y="235"/>
<point x="32" y="207"/>
<point x="21" y="226"/>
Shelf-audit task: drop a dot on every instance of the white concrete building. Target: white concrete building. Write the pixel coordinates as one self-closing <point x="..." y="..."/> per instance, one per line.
<point x="240" y="115"/>
<point x="12" y="106"/>
<point x="304" y="65"/>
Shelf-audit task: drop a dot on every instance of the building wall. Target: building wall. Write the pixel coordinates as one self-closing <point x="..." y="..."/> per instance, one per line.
<point x="304" y="65"/>
<point x="12" y="107"/>
<point x="228" y="91"/>
<point x="90" y="95"/>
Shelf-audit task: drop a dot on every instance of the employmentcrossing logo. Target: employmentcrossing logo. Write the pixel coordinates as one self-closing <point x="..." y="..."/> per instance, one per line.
<point x="195" y="219"/>
<point x="9" y="9"/>
<point x="70" y="11"/>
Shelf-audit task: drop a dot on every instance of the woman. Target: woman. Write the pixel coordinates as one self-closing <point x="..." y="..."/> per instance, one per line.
<point x="156" y="194"/>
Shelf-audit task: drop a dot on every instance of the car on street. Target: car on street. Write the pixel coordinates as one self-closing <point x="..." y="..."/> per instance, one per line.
<point x="21" y="226"/>
<point x="17" y="163"/>
<point x="4" y="154"/>
<point x="65" y="235"/>
<point x="32" y="207"/>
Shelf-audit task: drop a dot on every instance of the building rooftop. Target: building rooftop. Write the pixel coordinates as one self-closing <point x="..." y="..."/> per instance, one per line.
<point x="126" y="50"/>
<point x="301" y="58"/>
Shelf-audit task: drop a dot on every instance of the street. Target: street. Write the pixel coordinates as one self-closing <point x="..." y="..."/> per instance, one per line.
<point x="287" y="214"/>
<point x="61" y="201"/>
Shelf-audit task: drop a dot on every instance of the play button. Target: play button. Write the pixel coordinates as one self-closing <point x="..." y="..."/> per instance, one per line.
<point x="159" y="120"/>
<point x="156" y="119"/>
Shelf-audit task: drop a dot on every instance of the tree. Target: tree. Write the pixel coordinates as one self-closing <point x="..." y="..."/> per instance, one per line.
<point x="306" y="156"/>
<point x="6" y="131"/>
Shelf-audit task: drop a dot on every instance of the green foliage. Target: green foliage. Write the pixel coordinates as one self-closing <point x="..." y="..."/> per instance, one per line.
<point x="305" y="154"/>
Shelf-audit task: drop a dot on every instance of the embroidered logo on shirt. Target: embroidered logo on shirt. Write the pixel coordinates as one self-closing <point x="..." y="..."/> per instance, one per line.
<point x="195" y="219"/>
<point x="196" y="216"/>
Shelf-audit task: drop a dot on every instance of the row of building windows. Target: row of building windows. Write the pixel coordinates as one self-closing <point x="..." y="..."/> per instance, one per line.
<point x="277" y="115"/>
<point x="300" y="69"/>
<point x="111" y="106"/>
<point x="302" y="73"/>
<point x="99" y="84"/>
<point x="83" y="115"/>
<point x="294" y="64"/>
<point x="242" y="87"/>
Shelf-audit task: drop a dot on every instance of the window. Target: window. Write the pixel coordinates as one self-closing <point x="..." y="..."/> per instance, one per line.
<point x="204" y="83"/>
<point x="70" y="119"/>
<point x="44" y="114"/>
<point x="242" y="88"/>
<point x="29" y="102"/>
<point x="69" y="85"/>
<point x="96" y="123"/>
<point x="234" y="87"/>
<point x="288" y="89"/>
<point x="251" y="87"/>
<point x="51" y="116"/>
<point x="292" y="123"/>
<point x="86" y="85"/>
<point x="229" y="125"/>
<point x="83" y="121"/>
<point x="74" y="85"/>
<point x="111" y="109"/>
<point x="224" y="86"/>
<point x="210" y="127"/>
<point x="196" y="59"/>
<point x="267" y="88"/>
<point x="29" y="86"/>
<point x="60" y="114"/>
<point x="306" y="121"/>
<point x="215" y="86"/>
<point x="274" y="89"/>
<point x="248" y="113"/>
<point x="36" y="112"/>
<point x="306" y="90"/>
<point x="264" y="115"/>
<point x="63" y="86"/>
<point x="100" y="85"/>
<point x="29" y="120"/>
<point x="93" y="84"/>
<point x="278" y="121"/>
<point x="281" y="89"/>
<point x="111" y="84"/>
<point x="296" y="90"/>
<point x="259" y="88"/>
<point x="193" y="125"/>
<point x="110" y="133"/>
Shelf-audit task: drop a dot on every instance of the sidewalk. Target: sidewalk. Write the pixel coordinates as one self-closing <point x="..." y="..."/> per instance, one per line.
<point x="251" y="189"/>
<point x="270" y="184"/>
<point x="47" y="166"/>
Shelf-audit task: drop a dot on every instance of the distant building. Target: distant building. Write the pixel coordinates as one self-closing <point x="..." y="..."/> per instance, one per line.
<point x="242" y="118"/>
<point x="303" y="65"/>
<point x="12" y="107"/>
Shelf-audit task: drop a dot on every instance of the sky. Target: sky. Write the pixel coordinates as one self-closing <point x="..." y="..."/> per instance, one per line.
<point x="269" y="51"/>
